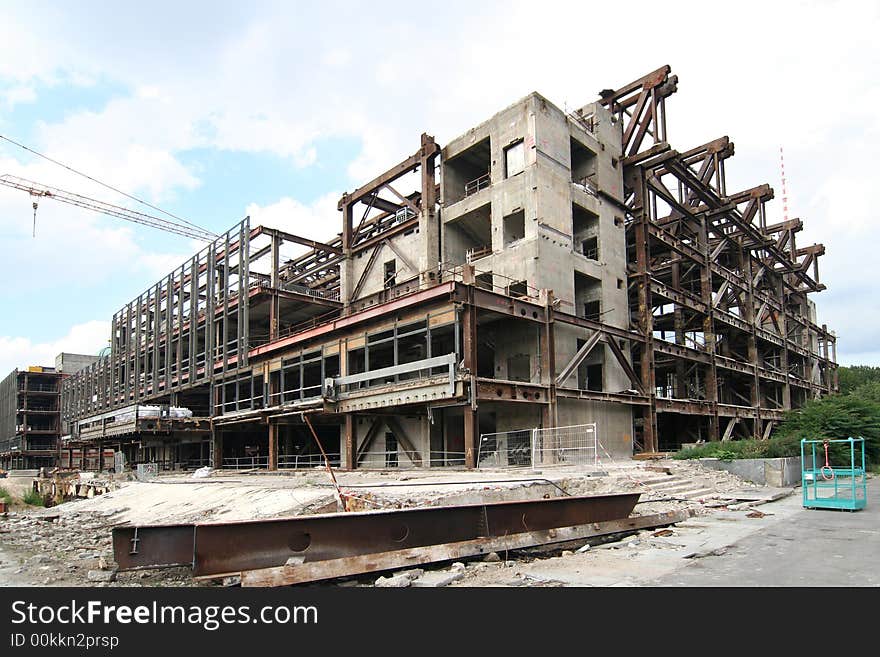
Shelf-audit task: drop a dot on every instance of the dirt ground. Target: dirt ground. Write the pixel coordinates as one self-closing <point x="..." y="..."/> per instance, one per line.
<point x="70" y="544"/>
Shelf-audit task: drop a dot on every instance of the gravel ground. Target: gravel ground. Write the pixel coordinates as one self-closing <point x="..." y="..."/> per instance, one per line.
<point x="70" y="544"/>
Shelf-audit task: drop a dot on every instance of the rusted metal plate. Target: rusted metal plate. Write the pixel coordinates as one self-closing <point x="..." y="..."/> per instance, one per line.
<point x="234" y="547"/>
<point x="158" y="546"/>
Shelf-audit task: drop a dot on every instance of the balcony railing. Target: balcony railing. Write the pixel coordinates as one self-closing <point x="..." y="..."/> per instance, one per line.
<point x="476" y="185"/>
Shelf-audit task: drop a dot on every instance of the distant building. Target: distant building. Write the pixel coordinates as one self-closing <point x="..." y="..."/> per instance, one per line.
<point x="30" y="413"/>
<point x="72" y="363"/>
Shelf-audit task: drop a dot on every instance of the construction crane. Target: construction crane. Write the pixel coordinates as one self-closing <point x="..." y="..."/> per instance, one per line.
<point x="39" y="191"/>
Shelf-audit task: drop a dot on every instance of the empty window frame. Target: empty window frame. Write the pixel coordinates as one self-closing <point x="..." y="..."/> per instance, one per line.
<point x="390" y="276"/>
<point x="514" y="159"/>
<point x="390" y="450"/>
<point x="514" y="227"/>
<point x="518" y="289"/>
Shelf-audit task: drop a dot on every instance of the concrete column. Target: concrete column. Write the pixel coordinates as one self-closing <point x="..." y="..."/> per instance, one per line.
<point x="273" y="446"/>
<point x="429" y="224"/>
<point x="217" y="438"/>
<point x="471" y="434"/>
<point x="349" y="437"/>
<point x="469" y="344"/>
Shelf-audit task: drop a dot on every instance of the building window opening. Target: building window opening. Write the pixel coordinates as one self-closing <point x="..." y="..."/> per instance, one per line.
<point x="514" y="227"/>
<point x="390" y="273"/>
<point x="391" y="460"/>
<point x="514" y="159"/>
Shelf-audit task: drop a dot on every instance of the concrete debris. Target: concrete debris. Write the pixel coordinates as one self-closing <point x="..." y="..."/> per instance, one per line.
<point x="202" y="473"/>
<point x="437" y="579"/>
<point x="394" y="582"/>
<point x="74" y="539"/>
<point x="101" y="575"/>
<point x="413" y="573"/>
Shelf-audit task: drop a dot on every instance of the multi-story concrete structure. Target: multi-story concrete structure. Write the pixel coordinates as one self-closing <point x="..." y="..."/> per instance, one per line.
<point x="30" y="418"/>
<point x="565" y="269"/>
<point x="30" y="412"/>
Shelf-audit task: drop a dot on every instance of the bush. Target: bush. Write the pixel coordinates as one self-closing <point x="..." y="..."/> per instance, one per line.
<point x="744" y="449"/>
<point x="5" y="496"/>
<point x="836" y="417"/>
<point x="33" y="498"/>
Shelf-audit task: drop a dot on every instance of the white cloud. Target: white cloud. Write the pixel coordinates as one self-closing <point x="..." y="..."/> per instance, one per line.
<point x="20" y="352"/>
<point x="319" y="221"/>
<point x="803" y="77"/>
<point x="20" y="94"/>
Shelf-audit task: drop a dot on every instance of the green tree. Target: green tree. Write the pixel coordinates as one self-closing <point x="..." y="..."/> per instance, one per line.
<point x="852" y="377"/>
<point x="836" y="417"/>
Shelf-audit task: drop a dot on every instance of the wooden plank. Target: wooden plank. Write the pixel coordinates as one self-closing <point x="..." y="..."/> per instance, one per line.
<point x="368" y="563"/>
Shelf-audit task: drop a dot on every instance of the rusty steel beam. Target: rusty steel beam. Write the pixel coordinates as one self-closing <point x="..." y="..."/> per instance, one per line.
<point x="223" y="548"/>
<point x="333" y="568"/>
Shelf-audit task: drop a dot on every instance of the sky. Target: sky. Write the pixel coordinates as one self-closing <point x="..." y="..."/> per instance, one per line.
<point x="217" y="110"/>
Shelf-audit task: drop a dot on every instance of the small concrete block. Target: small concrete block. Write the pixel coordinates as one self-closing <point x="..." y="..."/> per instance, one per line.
<point x="585" y="548"/>
<point x="458" y="566"/>
<point x="101" y="575"/>
<point x="492" y="557"/>
<point x="394" y="582"/>
<point x="567" y="553"/>
<point x="413" y="573"/>
<point x="438" y="579"/>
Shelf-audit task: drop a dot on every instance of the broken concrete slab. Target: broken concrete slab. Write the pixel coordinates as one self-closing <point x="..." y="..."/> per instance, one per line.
<point x="759" y="495"/>
<point x="394" y="582"/>
<point x="437" y="579"/>
<point x="101" y="575"/>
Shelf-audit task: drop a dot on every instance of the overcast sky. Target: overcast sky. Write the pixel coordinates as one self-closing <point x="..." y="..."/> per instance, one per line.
<point x="216" y="110"/>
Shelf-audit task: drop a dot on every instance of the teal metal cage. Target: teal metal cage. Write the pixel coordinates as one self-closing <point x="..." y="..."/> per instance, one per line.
<point x="827" y="486"/>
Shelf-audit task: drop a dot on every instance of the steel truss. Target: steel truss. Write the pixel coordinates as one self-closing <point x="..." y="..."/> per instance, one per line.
<point x="719" y="296"/>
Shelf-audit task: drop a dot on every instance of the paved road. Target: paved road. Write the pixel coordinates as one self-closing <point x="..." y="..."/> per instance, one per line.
<point x="807" y="548"/>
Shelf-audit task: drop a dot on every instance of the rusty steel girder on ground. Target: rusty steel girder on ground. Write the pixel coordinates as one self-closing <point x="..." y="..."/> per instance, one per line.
<point x="227" y="548"/>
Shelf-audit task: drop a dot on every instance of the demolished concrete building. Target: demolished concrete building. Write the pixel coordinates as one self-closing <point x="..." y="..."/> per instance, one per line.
<point x="30" y="413"/>
<point x="543" y="270"/>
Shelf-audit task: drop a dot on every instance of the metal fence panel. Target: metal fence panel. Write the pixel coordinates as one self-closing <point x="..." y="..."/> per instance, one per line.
<point x="576" y="444"/>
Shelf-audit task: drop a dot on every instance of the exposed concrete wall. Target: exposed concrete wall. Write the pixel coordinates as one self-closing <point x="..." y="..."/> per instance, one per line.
<point x="548" y="255"/>
<point x="417" y="430"/>
<point x="408" y="245"/>
<point x="779" y="472"/>
<point x="517" y="350"/>
<point x="613" y="424"/>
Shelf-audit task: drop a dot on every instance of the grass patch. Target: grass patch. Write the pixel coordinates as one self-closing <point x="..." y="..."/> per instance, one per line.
<point x="5" y="495"/>
<point x="33" y="498"/>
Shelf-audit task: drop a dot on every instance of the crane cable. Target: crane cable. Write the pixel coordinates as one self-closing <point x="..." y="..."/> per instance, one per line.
<point x="95" y="180"/>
